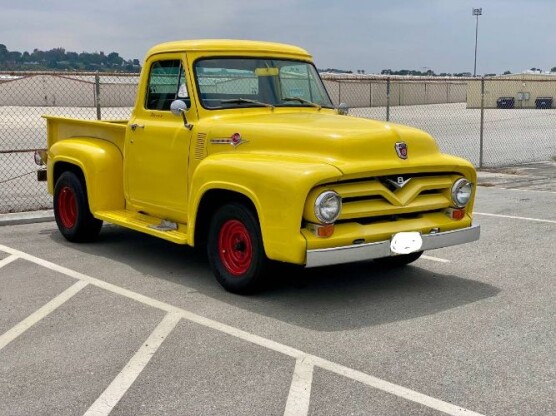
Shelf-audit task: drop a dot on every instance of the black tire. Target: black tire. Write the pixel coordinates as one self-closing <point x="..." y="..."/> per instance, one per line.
<point x="398" y="261"/>
<point x="71" y="210"/>
<point x="235" y="249"/>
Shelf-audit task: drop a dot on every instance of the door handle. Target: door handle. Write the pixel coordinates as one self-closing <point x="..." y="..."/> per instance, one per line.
<point x="136" y="126"/>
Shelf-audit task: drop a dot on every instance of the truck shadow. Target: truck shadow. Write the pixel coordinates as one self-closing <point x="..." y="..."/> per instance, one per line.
<point x="328" y="299"/>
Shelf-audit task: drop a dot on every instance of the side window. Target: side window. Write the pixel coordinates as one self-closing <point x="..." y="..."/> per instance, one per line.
<point x="166" y="84"/>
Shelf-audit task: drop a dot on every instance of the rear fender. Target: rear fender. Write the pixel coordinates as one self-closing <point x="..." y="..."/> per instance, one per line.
<point x="102" y="166"/>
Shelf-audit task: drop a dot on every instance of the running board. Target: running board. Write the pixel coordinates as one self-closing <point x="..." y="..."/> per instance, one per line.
<point x="157" y="227"/>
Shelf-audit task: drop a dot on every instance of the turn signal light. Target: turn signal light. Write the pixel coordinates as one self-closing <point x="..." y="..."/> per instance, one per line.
<point x="455" y="213"/>
<point x="321" y="230"/>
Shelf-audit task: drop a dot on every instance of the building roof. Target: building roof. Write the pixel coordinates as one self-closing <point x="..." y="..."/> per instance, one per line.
<point x="530" y="76"/>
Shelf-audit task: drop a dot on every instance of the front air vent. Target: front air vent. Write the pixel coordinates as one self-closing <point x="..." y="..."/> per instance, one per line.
<point x="200" y="146"/>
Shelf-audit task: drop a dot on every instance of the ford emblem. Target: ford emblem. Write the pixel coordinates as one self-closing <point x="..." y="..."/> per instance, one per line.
<point x="401" y="150"/>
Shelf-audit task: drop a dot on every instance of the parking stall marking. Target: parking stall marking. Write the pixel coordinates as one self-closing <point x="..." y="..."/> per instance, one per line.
<point x="8" y="260"/>
<point x="299" y="396"/>
<point x="41" y="313"/>
<point x="438" y="259"/>
<point x="525" y="190"/>
<point x="123" y="381"/>
<point x="513" y="217"/>
<point x="313" y="360"/>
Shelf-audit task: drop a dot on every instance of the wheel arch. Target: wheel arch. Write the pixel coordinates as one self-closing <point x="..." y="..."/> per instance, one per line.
<point x="63" y="166"/>
<point x="211" y="200"/>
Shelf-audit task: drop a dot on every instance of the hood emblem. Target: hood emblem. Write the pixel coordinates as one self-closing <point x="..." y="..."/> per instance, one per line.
<point x="235" y="140"/>
<point x="401" y="150"/>
<point x="399" y="182"/>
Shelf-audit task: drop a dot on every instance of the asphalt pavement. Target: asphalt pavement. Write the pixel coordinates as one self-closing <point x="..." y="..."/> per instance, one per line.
<point x="135" y="325"/>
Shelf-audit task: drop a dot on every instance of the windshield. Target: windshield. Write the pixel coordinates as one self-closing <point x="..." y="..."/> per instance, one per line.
<point x="256" y="82"/>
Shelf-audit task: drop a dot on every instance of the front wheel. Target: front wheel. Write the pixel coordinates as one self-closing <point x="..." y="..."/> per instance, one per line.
<point x="71" y="210"/>
<point x="399" y="260"/>
<point x="235" y="249"/>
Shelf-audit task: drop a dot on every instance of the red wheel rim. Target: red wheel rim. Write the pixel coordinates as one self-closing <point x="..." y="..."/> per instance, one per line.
<point x="67" y="207"/>
<point x="235" y="247"/>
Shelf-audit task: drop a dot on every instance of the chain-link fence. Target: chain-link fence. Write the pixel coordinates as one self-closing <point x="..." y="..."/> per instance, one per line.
<point x="491" y="122"/>
<point x="24" y="97"/>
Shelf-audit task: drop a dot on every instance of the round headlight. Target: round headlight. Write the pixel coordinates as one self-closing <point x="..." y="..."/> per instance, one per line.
<point x="328" y="206"/>
<point x="461" y="192"/>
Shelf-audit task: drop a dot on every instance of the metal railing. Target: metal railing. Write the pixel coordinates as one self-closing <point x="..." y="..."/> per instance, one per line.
<point x="490" y="121"/>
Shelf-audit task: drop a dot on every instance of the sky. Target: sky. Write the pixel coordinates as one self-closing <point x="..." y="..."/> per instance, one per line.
<point x="372" y="35"/>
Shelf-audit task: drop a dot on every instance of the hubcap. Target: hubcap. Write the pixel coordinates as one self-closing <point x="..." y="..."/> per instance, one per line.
<point x="235" y="247"/>
<point x="67" y="207"/>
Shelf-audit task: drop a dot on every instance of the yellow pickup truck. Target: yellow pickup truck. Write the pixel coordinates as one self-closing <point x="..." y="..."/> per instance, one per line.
<point x="236" y="146"/>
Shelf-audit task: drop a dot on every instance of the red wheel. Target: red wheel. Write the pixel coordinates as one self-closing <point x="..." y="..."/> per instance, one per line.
<point x="67" y="207"/>
<point x="235" y="248"/>
<point x="71" y="209"/>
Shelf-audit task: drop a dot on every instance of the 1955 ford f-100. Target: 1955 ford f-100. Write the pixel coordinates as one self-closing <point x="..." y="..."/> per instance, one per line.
<point x="236" y="145"/>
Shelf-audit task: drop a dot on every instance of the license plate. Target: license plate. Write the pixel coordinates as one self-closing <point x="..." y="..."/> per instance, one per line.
<point x="405" y="243"/>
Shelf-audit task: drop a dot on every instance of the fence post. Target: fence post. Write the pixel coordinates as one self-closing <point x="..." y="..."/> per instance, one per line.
<point x="388" y="99"/>
<point x="339" y="91"/>
<point x="481" y="150"/>
<point x="97" y="95"/>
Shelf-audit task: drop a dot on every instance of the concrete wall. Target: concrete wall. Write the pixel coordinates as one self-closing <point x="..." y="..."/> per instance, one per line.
<point x="118" y="95"/>
<point x="62" y="91"/>
<point x="79" y="91"/>
<point x="368" y="92"/>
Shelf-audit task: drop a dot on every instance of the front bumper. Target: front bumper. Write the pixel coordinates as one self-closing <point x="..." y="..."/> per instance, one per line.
<point x="369" y="251"/>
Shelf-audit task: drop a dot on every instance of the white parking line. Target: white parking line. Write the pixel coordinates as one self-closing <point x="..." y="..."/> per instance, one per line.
<point x="299" y="397"/>
<point x="369" y="380"/>
<point x="41" y="313"/>
<point x="123" y="381"/>
<point x="8" y="260"/>
<point x="438" y="259"/>
<point x="394" y="389"/>
<point x="524" y="190"/>
<point x="514" y="217"/>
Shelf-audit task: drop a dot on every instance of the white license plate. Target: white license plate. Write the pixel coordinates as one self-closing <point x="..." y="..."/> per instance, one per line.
<point x="405" y="243"/>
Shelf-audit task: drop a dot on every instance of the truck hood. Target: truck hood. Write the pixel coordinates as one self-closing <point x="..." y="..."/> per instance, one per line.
<point x="350" y="144"/>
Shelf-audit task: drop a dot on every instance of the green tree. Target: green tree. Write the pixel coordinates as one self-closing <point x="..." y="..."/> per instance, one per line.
<point x="3" y="52"/>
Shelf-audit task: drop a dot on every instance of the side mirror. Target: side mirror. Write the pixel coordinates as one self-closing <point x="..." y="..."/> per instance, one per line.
<point x="343" y="109"/>
<point x="178" y="107"/>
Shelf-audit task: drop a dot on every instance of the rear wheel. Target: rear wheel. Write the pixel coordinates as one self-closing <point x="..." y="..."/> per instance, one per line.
<point x="235" y="249"/>
<point x="71" y="210"/>
<point x="398" y="261"/>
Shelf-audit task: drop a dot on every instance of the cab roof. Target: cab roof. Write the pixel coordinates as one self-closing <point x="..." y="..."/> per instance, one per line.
<point x="228" y="45"/>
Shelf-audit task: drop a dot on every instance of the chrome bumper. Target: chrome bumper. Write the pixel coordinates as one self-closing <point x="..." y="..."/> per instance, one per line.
<point x="369" y="251"/>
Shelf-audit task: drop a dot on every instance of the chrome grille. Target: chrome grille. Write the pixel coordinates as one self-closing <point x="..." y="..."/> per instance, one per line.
<point x="378" y="197"/>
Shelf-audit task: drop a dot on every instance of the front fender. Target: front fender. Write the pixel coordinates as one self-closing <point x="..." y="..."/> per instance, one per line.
<point x="277" y="186"/>
<point x="102" y="166"/>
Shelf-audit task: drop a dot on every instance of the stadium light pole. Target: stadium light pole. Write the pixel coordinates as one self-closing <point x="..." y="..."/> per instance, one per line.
<point x="477" y="13"/>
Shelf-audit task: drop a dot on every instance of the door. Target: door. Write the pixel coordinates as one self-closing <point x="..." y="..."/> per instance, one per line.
<point x="157" y="145"/>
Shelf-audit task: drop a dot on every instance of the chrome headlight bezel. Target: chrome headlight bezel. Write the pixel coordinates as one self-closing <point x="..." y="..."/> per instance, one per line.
<point x="462" y="191"/>
<point x="322" y="200"/>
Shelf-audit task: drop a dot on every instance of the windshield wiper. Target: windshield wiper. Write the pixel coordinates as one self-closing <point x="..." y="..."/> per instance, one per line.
<point x="245" y="100"/>
<point x="303" y="101"/>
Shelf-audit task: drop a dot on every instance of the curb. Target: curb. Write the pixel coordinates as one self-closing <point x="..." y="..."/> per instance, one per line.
<point x="30" y="217"/>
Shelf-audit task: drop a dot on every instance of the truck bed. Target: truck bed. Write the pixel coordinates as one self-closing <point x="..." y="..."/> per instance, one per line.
<point x="60" y="128"/>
